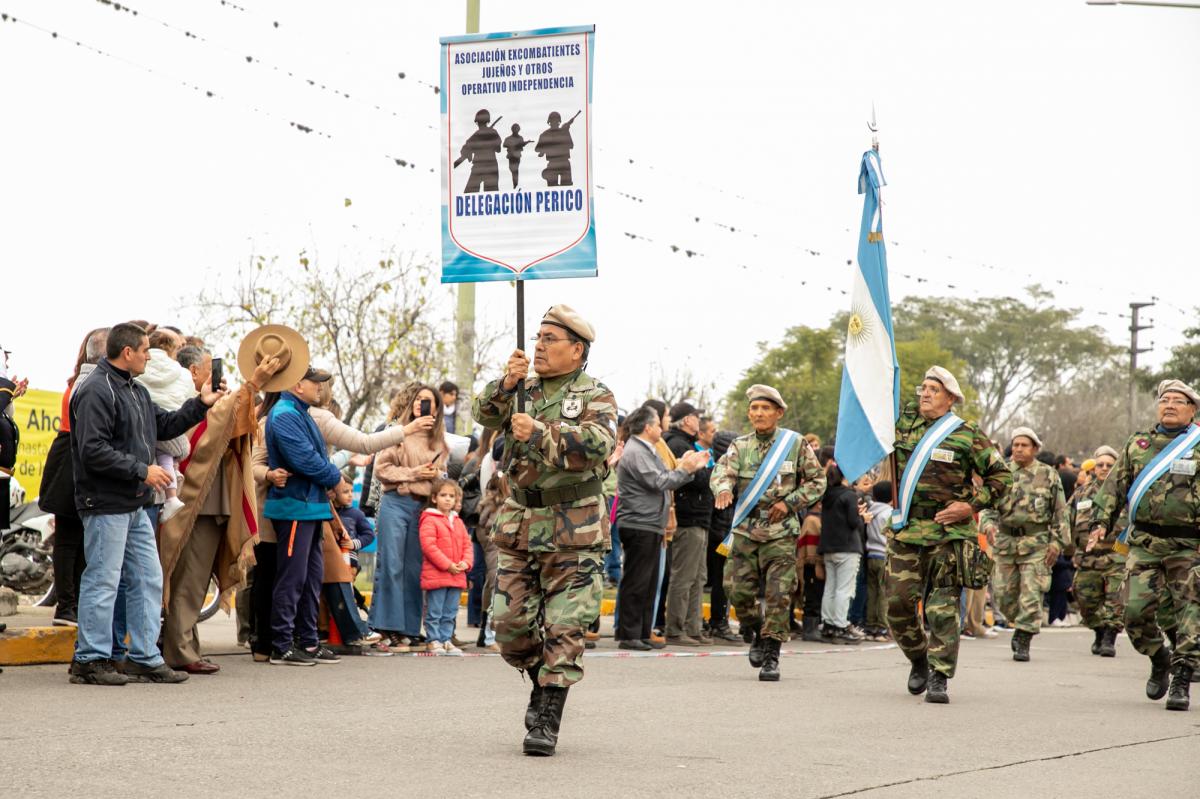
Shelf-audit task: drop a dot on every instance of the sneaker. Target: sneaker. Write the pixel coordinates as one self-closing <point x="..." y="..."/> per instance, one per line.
<point x="323" y="654"/>
<point x="435" y="648"/>
<point x="65" y="619"/>
<point x="967" y="634"/>
<point x="452" y="650"/>
<point x="454" y="639"/>
<point x="162" y="673"/>
<point x="292" y="657"/>
<point x="493" y="648"/>
<point x="397" y="643"/>
<point x="379" y="650"/>
<point x="990" y="632"/>
<point x="169" y="509"/>
<point x="96" y="672"/>
<point x="371" y="638"/>
<point x="682" y="640"/>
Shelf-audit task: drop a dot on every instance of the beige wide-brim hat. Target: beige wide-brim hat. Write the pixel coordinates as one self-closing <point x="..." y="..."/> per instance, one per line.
<point x="270" y="341"/>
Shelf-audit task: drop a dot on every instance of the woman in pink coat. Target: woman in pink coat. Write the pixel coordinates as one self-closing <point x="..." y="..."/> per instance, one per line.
<point x="448" y="557"/>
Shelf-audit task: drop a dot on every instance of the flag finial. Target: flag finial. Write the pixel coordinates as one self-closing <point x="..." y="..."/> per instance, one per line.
<point x="874" y="128"/>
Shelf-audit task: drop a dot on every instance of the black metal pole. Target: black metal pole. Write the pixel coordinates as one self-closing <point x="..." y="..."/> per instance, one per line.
<point x="521" y="340"/>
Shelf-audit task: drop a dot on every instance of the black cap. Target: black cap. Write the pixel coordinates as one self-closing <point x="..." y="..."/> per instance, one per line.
<point x="317" y="375"/>
<point x="681" y="410"/>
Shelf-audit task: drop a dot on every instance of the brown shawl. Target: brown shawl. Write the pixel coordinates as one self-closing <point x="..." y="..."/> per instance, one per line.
<point x="223" y="440"/>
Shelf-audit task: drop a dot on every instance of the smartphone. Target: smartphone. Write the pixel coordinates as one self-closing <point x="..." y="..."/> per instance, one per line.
<point x="218" y="373"/>
<point x="426" y="407"/>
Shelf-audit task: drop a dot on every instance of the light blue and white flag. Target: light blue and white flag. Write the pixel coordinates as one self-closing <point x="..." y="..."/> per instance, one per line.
<point x="870" y="400"/>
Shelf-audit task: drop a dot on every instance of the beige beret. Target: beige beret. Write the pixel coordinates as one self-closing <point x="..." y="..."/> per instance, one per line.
<point x="944" y="377"/>
<point x="1104" y="449"/>
<point x="566" y="317"/>
<point x="1180" y="387"/>
<point x="758" y="391"/>
<point x="1028" y="433"/>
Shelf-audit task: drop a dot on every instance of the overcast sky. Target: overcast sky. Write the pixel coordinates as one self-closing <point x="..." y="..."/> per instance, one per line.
<point x="1022" y="141"/>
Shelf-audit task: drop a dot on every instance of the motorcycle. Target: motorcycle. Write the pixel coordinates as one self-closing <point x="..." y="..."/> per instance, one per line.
<point x="27" y="563"/>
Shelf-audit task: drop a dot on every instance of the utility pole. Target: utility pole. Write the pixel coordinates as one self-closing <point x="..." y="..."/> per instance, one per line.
<point x="464" y="348"/>
<point x="1134" y="351"/>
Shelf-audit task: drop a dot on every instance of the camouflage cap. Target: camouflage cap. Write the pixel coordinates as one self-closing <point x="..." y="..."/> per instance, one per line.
<point x="567" y="318"/>
<point x="761" y="392"/>
<point x="1179" y="387"/>
<point x="1028" y="433"/>
<point x="1105" y="449"/>
<point x="943" y="376"/>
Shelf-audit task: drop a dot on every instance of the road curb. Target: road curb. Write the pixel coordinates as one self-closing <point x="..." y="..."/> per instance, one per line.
<point x="31" y="646"/>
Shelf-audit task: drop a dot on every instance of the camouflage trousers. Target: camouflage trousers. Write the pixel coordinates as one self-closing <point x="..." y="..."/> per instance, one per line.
<point x="1018" y="586"/>
<point x="927" y="574"/>
<point x="768" y="567"/>
<point x="1099" y="589"/>
<point x="544" y="601"/>
<point x="1158" y="566"/>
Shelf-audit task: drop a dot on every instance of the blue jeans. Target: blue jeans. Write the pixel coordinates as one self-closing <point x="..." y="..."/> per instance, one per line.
<point x="841" y="582"/>
<point x="396" y="601"/>
<point x="612" y="561"/>
<point x="441" y="608"/>
<point x="121" y="553"/>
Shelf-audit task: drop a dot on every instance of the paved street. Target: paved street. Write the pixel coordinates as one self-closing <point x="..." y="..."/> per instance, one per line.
<point x="839" y="724"/>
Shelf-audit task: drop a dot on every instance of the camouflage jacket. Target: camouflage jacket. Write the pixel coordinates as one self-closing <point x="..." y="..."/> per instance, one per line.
<point x="1172" y="500"/>
<point x="575" y="426"/>
<point x="799" y="484"/>
<point x="1036" y="501"/>
<point x="948" y="478"/>
<point x="1081" y="508"/>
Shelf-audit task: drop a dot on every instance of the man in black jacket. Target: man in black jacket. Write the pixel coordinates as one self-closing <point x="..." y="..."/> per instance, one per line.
<point x="693" y="514"/>
<point x="114" y="426"/>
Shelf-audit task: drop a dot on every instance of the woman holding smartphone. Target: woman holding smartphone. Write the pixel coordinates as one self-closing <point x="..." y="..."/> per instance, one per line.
<point x="406" y="473"/>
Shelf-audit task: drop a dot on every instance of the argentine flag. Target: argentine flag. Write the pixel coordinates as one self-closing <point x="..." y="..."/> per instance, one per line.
<point x="870" y="400"/>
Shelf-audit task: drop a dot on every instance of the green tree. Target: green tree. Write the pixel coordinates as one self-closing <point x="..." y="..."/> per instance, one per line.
<point x="804" y="368"/>
<point x="1013" y="350"/>
<point x="1183" y="364"/>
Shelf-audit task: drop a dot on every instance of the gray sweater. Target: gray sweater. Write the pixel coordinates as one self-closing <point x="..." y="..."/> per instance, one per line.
<point x="643" y="486"/>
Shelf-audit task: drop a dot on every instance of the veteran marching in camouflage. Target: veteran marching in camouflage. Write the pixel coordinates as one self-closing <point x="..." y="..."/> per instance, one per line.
<point x="552" y="532"/>
<point x="762" y="559"/>
<point x="934" y="551"/>
<point x="1100" y="572"/>
<point x="1155" y="486"/>
<point x="1031" y="529"/>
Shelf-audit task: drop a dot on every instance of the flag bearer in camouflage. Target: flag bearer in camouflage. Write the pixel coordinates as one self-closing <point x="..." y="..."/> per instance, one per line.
<point x="1164" y="546"/>
<point x="552" y="532"/>
<point x="1100" y="573"/>
<point x="1031" y="529"/>
<point x="924" y="556"/>
<point x="763" y="556"/>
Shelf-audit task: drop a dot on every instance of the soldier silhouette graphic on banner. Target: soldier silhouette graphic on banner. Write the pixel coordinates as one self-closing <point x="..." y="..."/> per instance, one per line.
<point x="555" y="146"/>
<point x="514" y="146"/>
<point x="481" y="149"/>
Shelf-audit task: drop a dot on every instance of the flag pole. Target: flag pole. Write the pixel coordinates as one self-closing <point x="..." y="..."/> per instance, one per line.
<point x="520" y="339"/>
<point x="893" y="465"/>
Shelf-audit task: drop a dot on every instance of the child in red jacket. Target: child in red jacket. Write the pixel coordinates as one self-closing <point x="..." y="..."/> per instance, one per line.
<point x="448" y="558"/>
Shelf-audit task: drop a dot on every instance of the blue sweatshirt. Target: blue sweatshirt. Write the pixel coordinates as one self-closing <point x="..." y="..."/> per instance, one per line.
<point x="295" y="443"/>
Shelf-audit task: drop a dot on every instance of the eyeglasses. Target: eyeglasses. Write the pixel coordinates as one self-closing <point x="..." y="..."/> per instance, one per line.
<point x="1174" y="403"/>
<point x="547" y="339"/>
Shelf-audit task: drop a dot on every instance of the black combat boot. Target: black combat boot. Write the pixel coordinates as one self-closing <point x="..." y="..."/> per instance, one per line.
<point x="770" y="667"/>
<point x="1181" y="683"/>
<point x="812" y="630"/>
<point x="1108" y="645"/>
<point x="1099" y="631"/>
<point x="757" y="646"/>
<point x="1160" y="666"/>
<point x="480" y="642"/>
<point x="535" y="697"/>
<point x="936" y="694"/>
<point x="918" y="676"/>
<point x="541" y="740"/>
<point x="1021" y="646"/>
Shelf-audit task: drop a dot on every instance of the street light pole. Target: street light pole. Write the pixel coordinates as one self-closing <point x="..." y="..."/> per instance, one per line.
<point x="464" y="348"/>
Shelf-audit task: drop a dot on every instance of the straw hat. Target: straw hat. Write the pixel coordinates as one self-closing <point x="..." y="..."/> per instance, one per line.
<point x="274" y="341"/>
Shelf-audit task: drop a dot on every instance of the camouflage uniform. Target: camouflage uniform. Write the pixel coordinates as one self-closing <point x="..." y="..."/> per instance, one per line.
<point x="1099" y="574"/>
<point x="1030" y="518"/>
<point x="922" y="557"/>
<point x="1164" y="547"/>
<point x="763" y="557"/>
<point x="552" y="532"/>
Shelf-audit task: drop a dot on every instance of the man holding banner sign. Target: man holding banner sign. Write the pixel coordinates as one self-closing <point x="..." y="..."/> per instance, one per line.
<point x="1155" y="487"/>
<point x="933" y="552"/>
<point x="775" y="475"/>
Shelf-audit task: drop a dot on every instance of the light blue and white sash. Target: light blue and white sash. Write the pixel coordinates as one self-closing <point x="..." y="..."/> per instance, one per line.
<point x="1159" y="466"/>
<point x="767" y="472"/>
<point x="917" y="462"/>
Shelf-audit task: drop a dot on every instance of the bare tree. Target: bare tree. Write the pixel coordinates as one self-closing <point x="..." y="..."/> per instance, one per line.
<point x="375" y="327"/>
<point x="680" y="385"/>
